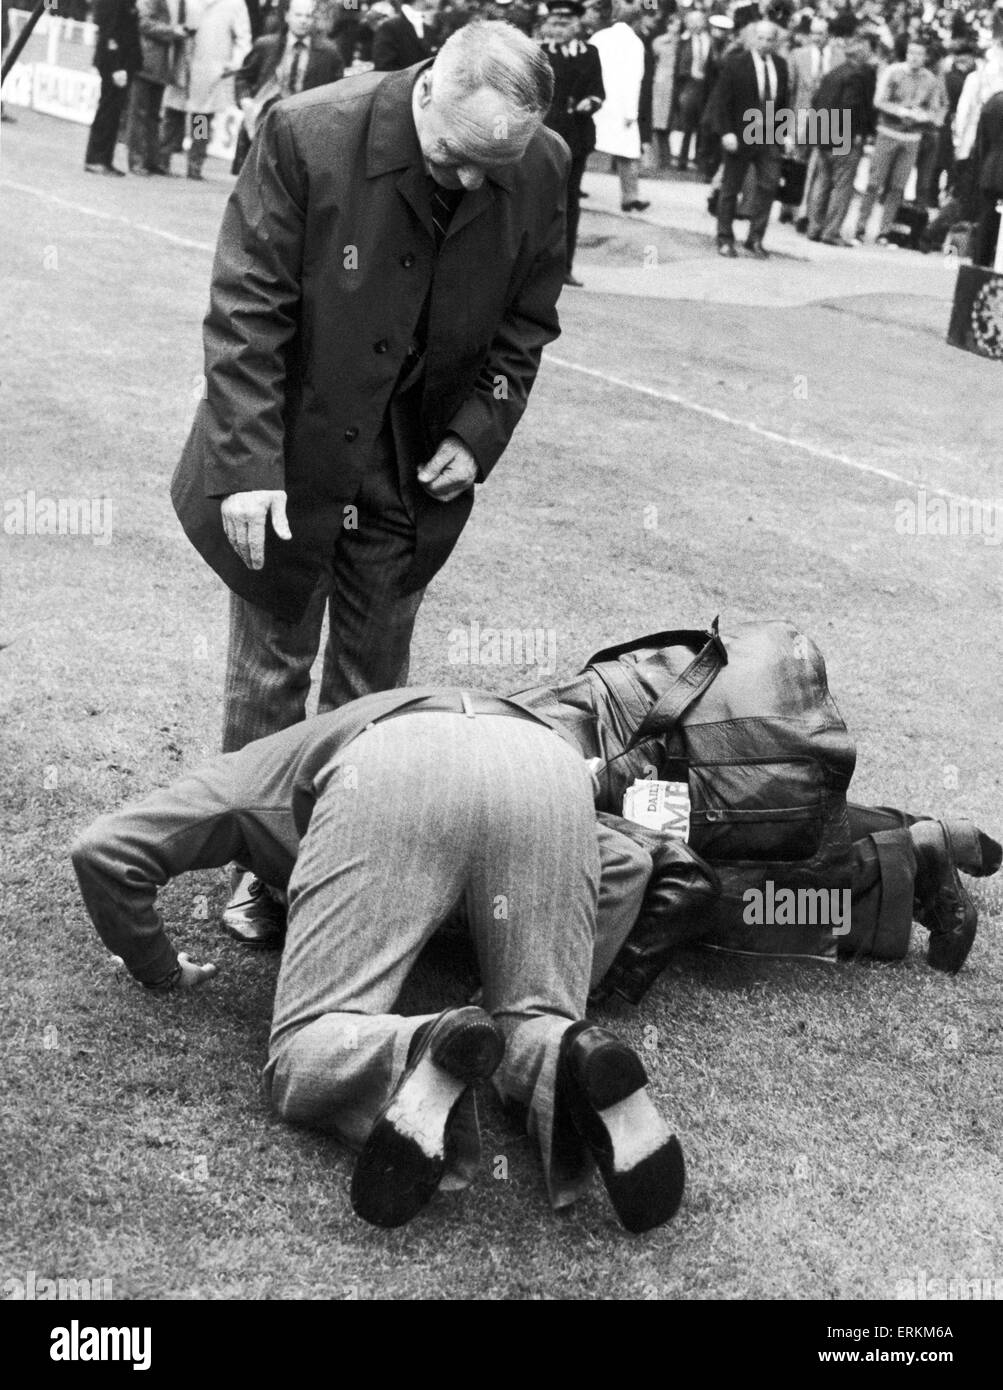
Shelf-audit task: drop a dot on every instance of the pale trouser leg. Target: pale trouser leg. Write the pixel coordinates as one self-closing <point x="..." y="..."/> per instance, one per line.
<point x="627" y="169"/>
<point x="898" y="176"/>
<point x="818" y="204"/>
<point x="412" y="815"/>
<point x="882" y="159"/>
<point x="626" y="870"/>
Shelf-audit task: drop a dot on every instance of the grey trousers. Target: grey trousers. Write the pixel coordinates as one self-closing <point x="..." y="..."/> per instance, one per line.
<point x="415" y="815"/>
<point x="891" y="164"/>
<point x="370" y="621"/>
<point x="831" y="192"/>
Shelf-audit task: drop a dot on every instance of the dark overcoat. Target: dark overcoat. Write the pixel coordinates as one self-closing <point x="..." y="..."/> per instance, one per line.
<point x="324" y="260"/>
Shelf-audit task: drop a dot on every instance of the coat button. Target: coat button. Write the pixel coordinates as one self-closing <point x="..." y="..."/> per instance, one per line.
<point x="408" y="261"/>
<point x="350" y="434"/>
<point x="381" y="345"/>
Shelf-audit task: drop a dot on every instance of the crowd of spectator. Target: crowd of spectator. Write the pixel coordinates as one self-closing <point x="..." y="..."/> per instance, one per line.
<point x="919" y="84"/>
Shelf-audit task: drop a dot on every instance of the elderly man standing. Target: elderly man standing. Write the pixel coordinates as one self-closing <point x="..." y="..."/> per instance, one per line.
<point x="751" y="81"/>
<point x="385" y="281"/>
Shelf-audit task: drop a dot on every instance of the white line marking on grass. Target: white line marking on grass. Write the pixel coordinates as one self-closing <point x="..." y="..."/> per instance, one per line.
<point x="815" y="450"/>
<point x="109" y="216"/>
<point x="670" y="397"/>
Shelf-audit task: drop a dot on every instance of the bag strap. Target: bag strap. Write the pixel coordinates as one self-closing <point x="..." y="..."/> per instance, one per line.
<point x="688" y="686"/>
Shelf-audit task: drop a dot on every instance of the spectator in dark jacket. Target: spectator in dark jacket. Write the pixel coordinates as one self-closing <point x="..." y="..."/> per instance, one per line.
<point x="987" y="159"/>
<point x="117" y="56"/>
<point x="847" y="93"/>
<point x="406" y="39"/>
<point x="578" y="94"/>
<point x="160" y="40"/>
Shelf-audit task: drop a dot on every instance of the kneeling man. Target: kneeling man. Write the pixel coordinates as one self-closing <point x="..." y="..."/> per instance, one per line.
<point x="382" y="817"/>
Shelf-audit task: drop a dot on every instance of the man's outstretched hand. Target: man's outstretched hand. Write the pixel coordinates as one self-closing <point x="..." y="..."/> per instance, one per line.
<point x="244" y="516"/>
<point x="450" y="470"/>
<point x="193" y="974"/>
<point x="191" y="977"/>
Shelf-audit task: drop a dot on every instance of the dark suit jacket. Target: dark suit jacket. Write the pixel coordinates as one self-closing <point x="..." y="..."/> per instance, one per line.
<point x="987" y="151"/>
<point x="849" y="88"/>
<point x="737" y="92"/>
<point x="324" y="64"/>
<point x="577" y="75"/>
<point x="118" y="45"/>
<point x="684" y="60"/>
<point x="325" y="258"/>
<point x="396" y="45"/>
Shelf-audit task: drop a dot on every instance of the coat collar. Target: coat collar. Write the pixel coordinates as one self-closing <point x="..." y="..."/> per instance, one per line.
<point x="393" y="140"/>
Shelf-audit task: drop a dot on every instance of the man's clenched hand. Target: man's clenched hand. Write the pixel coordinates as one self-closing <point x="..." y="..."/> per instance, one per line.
<point x="450" y="470"/>
<point x="244" y="515"/>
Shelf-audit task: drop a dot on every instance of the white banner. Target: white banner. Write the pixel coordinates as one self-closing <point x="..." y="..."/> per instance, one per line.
<point x="64" y="92"/>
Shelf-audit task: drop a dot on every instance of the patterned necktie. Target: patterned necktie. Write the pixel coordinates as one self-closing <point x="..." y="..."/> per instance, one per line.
<point x="443" y="201"/>
<point x="295" y="79"/>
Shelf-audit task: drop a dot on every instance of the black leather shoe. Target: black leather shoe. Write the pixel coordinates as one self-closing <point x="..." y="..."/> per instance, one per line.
<point x="403" y="1160"/>
<point x="727" y="248"/>
<point x="972" y="850"/>
<point x="942" y="903"/>
<point x="253" y="916"/>
<point x="757" y="250"/>
<point x="573" y="281"/>
<point x="601" y="1091"/>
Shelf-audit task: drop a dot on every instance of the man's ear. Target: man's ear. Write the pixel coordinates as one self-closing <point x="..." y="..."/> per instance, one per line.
<point x="425" y="89"/>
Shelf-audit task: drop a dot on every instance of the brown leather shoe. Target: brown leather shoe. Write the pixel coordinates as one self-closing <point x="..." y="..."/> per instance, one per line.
<point x="942" y="903"/>
<point x="253" y="916"/>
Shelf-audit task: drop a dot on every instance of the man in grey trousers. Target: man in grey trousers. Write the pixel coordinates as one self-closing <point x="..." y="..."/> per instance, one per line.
<point x="382" y="817"/>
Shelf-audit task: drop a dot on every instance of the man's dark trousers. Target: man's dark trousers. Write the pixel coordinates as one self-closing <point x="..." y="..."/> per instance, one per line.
<point x="768" y="161"/>
<point x="143" y="130"/>
<point x="104" y="132"/>
<point x="575" y="175"/>
<point x="370" y="619"/>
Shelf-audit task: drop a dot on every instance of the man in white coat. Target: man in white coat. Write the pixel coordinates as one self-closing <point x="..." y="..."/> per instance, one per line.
<point x="219" y="38"/>
<point x="621" y="53"/>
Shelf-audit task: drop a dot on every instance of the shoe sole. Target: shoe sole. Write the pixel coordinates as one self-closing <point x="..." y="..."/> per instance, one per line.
<point x="640" y="1162"/>
<point x="403" y="1160"/>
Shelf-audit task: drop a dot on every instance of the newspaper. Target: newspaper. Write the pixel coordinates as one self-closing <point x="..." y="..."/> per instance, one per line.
<point x="662" y="806"/>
